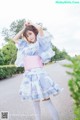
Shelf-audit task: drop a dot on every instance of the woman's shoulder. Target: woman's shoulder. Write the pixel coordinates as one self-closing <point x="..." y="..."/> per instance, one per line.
<point x="21" y="43"/>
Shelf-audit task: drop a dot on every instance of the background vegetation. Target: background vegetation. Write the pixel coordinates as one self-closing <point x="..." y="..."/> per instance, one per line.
<point x="74" y="84"/>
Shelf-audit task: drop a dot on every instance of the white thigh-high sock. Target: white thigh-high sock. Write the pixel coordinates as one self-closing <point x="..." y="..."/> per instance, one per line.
<point x="37" y="110"/>
<point x="52" y="110"/>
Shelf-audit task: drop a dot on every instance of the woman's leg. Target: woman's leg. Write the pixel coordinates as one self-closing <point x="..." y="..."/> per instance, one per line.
<point x="51" y="109"/>
<point x="37" y="109"/>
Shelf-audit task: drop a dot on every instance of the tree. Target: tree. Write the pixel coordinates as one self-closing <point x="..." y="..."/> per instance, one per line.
<point x="15" y="27"/>
<point x="9" y="52"/>
<point x="5" y="33"/>
<point x="64" y="54"/>
<point x="59" y="55"/>
<point x="1" y="58"/>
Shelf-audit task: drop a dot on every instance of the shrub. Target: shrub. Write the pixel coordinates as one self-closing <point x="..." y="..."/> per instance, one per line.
<point x="8" y="70"/>
<point x="74" y="84"/>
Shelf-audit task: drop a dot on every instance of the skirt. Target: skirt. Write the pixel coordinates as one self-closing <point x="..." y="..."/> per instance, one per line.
<point x="37" y="85"/>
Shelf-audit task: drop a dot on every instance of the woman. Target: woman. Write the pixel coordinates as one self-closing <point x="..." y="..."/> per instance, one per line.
<point x="34" y="50"/>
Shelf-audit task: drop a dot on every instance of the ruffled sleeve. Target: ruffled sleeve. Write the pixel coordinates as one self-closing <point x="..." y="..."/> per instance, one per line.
<point x="45" y="50"/>
<point x="19" y="59"/>
<point x="21" y="44"/>
<point x="44" y="41"/>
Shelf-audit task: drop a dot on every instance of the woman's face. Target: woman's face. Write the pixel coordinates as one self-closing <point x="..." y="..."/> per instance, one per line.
<point x="30" y="36"/>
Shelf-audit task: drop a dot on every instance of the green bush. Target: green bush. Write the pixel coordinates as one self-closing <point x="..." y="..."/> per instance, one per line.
<point x="8" y="53"/>
<point x="77" y="113"/>
<point x="74" y="83"/>
<point x="59" y="55"/>
<point x="8" y="70"/>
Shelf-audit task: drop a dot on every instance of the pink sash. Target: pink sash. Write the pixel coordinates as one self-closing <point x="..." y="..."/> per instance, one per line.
<point x="31" y="62"/>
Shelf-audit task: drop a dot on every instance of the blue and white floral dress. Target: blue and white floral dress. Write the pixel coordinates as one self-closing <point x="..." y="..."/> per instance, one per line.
<point x="36" y="83"/>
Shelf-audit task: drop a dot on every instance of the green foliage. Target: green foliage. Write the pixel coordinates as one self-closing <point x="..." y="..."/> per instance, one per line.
<point x="8" y="53"/>
<point x="6" y="33"/>
<point x="1" y="58"/>
<point x="74" y="83"/>
<point x="7" y="71"/>
<point x="59" y="55"/>
<point x="77" y="113"/>
<point x="15" y="27"/>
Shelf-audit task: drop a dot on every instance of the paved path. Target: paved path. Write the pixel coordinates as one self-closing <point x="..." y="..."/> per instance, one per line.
<point x="18" y="110"/>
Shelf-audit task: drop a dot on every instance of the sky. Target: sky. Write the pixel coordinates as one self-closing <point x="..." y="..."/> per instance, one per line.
<point x="61" y="20"/>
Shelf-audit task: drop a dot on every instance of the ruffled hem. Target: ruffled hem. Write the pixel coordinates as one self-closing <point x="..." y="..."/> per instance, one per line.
<point x="51" y="91"/>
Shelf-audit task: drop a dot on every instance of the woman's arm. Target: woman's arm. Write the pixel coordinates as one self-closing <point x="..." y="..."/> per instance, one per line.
<point x="18" y="35"/>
